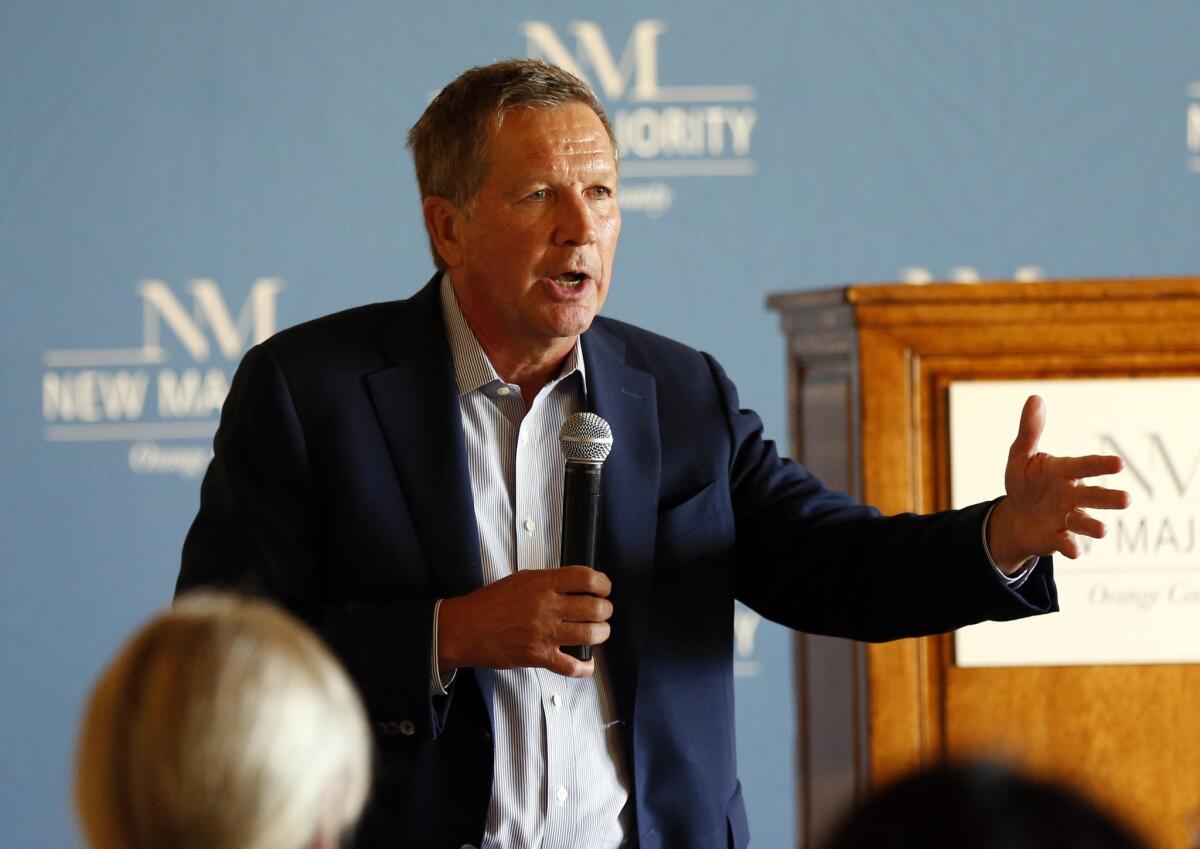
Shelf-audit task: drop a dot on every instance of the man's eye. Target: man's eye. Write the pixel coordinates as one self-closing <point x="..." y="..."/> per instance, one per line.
<point x="602" y="191"/>
<point x="540" y="194"/>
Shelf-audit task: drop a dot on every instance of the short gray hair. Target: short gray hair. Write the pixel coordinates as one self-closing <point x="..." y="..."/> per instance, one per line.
<point x="451" y="143"/>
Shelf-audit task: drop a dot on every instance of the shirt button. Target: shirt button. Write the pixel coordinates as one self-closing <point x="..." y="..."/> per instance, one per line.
<point x="561" y="794"/>
<point x="523" y="439"/>
<point x="530" y="525"/>
<point x="556" y="700"/>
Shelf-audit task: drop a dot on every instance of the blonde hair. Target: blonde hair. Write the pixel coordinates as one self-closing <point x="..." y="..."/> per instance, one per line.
<point x="223" y="724"/>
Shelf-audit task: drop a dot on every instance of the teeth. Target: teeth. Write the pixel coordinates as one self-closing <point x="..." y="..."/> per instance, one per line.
<point x="570" y="281"/>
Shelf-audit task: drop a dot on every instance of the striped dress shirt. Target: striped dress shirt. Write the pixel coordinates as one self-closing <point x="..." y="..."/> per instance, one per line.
<point x="559" y="777"/>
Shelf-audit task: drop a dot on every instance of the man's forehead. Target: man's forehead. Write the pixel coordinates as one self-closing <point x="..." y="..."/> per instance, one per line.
<point x="571" y="130"/>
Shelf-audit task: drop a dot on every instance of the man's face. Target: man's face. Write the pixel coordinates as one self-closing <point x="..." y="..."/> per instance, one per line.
<point x="532" y="262"/>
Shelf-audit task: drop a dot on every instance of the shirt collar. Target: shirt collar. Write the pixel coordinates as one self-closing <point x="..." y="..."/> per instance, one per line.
<point x="472" y="368"/>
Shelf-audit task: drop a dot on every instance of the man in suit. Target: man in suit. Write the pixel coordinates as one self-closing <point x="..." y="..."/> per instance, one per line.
<point x="392" y="474"/>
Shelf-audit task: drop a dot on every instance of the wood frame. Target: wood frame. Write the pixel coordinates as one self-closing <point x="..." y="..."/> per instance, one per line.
<point x="868" y="371"/>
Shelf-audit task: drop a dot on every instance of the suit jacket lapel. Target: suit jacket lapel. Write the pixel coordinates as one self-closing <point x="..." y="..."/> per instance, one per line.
<point x="626" y="398"/>
<point x="417" y="404"/>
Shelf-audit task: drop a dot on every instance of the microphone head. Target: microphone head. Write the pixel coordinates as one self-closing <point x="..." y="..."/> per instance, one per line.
<point x="585" y="438"/>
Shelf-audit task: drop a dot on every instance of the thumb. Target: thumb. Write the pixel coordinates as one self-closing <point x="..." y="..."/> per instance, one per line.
<point x="1033" y="422"/>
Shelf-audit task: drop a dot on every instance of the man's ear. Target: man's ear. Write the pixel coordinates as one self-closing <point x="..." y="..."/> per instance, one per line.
<point x="443" y="223"/>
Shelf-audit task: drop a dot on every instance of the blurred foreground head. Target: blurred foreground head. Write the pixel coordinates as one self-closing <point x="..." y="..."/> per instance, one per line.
<point x="223" y="724"/>
<point x="978" y="806"/>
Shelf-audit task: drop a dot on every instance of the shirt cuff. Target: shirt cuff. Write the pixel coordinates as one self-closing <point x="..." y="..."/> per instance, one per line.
<point x="1013" y="581"/>
<point x="437" y="682"/>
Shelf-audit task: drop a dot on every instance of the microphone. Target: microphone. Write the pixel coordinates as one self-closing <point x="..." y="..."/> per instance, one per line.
<point x="585" y="439"/>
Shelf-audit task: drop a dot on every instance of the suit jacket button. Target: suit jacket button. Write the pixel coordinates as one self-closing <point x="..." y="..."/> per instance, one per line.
<point x="381" y="726"/>
<point x="407" y="728"/>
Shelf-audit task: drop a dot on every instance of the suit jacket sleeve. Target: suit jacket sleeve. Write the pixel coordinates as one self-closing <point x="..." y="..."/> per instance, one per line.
<point x="818" y="561"/>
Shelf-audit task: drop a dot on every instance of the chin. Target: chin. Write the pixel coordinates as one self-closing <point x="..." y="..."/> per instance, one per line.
<point x="571" y="323"/>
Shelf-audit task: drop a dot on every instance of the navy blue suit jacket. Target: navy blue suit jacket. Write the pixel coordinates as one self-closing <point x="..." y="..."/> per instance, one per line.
<point x="339" y="486"/>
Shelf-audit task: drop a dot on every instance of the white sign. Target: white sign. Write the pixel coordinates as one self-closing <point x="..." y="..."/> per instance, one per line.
<point x="1134" y="596"/>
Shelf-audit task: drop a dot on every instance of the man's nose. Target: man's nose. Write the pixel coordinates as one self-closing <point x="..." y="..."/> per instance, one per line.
<point x="576" y="223"/>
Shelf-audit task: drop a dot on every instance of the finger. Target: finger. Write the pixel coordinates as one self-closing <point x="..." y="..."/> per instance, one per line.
<point x="1067" y="545"/>
<point x="1033" y="422"/>
<point x="564" y="664"/>
<point x="586" y="608"/>
<point x="1100" y="498"/>
<point x="1093" y="465"/>
<point x="582" y="579"/>
<point x="581" y="633"/>
<point x="1081" y="523"/>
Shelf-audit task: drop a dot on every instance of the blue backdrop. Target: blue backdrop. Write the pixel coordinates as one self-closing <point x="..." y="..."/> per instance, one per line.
<point x="177" y="179"/>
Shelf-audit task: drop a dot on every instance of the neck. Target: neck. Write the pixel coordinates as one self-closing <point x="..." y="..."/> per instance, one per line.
<point x="529" y="369"/>
<point x="530" y="363"/>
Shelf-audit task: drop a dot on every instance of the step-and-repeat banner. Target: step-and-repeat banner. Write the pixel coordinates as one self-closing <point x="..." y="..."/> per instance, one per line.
<point x="179" y="180"/>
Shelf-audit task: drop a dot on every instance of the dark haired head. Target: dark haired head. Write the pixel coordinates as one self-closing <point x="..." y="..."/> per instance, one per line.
<point x="978" y="806"/>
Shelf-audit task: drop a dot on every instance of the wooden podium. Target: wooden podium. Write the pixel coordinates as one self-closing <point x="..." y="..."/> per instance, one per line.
<point x="869" y="369"/>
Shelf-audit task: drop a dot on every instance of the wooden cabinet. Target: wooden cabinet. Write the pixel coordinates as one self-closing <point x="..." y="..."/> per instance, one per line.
<point x="868" y="371"/>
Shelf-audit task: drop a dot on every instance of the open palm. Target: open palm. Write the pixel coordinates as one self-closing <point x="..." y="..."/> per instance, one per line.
<point x="1048" y="497"/>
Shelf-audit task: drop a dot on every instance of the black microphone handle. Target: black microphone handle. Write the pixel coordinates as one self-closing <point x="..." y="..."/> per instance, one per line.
<point x="580" y="520"/>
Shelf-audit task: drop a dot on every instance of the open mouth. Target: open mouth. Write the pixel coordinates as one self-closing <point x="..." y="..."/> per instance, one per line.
<point x="570" y="279"/>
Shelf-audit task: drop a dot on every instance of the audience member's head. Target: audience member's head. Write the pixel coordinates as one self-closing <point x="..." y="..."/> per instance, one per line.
<point x="978" y="806"/>
<point x="223" y="724"/>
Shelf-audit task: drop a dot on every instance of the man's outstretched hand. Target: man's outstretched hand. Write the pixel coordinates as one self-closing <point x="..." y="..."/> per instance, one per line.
<point x="1048" y="497"/>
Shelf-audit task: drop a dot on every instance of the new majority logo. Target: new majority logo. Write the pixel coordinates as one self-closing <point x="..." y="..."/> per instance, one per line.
<point x="664" y="132"/>
<point x="168" y="389"/>
<point x="1161" y="527"/>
